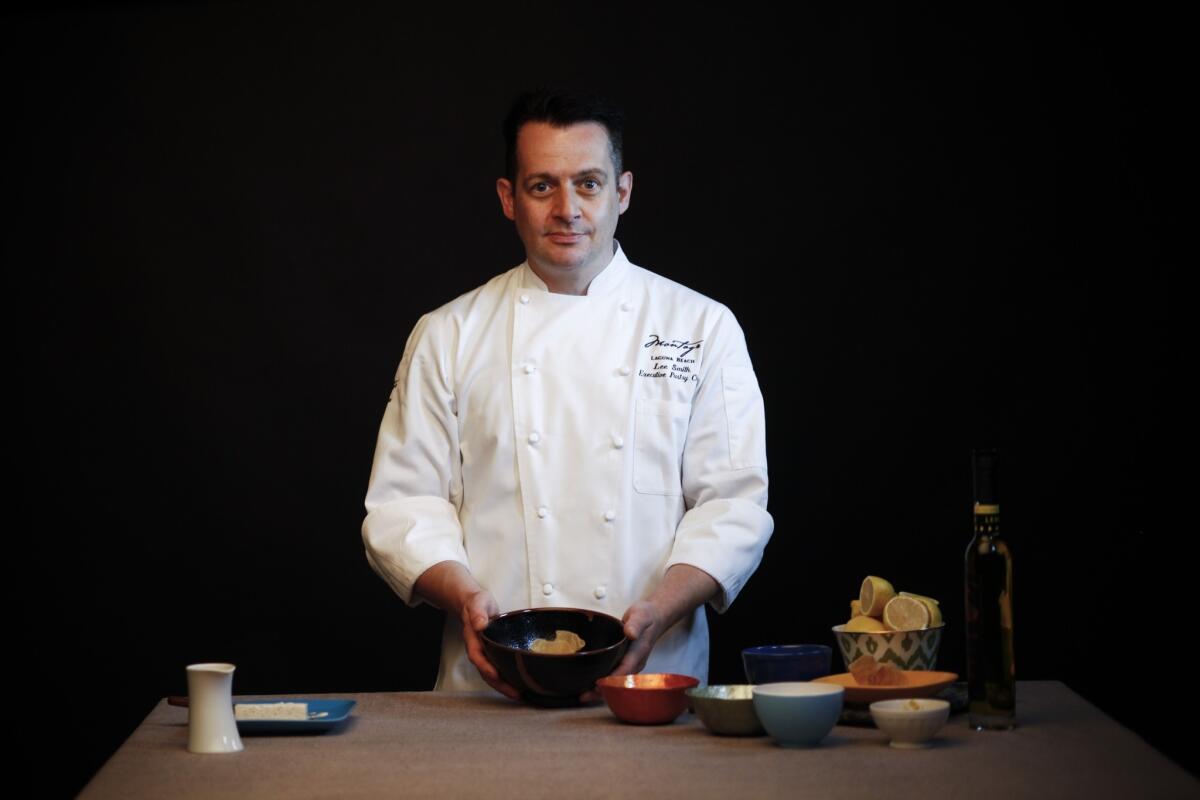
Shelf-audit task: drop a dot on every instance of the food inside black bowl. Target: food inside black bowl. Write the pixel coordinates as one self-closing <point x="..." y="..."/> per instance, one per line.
<point x="547" y="678"/>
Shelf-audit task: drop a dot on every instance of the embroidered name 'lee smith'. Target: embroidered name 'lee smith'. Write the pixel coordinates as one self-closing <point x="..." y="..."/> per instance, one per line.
<point x="675" y="353"/>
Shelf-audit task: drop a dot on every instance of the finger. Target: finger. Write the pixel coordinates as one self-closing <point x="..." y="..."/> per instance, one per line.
<point x="491" y="676"/>
<point x="504" y="689"/>
<point x="635" y="625"/>
<point x="635" y="657"/>
<point x="499" y="685"/>
<point x="485" y="667"/>
<point x="589" y="697"/>
<point x="629" y="665"/>
<point x="475" y="616"/>
<point x="480" y="609"/>
<point x="477" y="656"/>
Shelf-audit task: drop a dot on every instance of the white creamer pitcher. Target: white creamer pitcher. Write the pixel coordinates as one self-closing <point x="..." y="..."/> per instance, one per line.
<point x="211" y="726"/>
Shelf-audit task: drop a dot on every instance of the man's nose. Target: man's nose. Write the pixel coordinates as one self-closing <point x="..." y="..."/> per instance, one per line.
<point x="566" y="206"/>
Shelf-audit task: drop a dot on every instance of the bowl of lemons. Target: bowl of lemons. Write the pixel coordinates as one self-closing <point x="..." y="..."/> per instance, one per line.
<point x="900" y="628"/>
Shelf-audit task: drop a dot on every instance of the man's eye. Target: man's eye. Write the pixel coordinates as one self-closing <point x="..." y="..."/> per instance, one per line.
<point x="591" y="184"/>
<point x="540" y="188"/>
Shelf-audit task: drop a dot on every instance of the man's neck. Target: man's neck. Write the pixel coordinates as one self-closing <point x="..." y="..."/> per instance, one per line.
<point x="569" y="280"/>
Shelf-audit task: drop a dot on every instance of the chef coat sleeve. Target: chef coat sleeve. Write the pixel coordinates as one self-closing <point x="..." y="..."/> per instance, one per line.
<point x="415" y="489"/>
<point x="724" y="468"/>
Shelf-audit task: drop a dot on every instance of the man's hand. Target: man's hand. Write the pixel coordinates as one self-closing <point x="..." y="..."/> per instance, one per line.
<point x="451" y="586"/>
<point x="643" y="625"/>
<point x="684" y="587"/>
<point x="477" y="611"/>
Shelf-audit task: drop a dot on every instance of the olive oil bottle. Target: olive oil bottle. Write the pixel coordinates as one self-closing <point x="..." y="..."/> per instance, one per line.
<point x="991" y="676"/>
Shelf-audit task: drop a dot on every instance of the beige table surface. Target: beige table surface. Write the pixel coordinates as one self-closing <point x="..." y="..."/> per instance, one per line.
<point x="425" y="744"/>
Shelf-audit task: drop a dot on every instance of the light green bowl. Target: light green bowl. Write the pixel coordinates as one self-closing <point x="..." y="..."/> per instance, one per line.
<point x="726" y="710"/>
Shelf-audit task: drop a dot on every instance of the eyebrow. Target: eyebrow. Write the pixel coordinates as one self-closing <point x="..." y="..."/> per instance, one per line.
<point x="581" y="174"/>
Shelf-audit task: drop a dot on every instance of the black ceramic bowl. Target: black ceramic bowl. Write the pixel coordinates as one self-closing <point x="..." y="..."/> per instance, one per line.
<point x="554" y="680"/>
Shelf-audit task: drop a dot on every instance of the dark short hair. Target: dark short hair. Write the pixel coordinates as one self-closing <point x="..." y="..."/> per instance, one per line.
<point x="560" y="109"/>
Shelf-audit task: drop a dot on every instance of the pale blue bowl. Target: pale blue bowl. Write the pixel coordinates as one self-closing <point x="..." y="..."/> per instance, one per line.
<point x="798" y="714"/>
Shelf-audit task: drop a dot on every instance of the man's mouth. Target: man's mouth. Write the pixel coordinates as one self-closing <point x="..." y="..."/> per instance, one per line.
<point x="565" y="238"/>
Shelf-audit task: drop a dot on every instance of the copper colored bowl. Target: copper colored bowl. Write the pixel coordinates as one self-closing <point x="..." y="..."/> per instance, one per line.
<point x="647" y="698"/>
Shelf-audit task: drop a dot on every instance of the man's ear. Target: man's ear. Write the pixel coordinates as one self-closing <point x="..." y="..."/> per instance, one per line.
<point x="624" y="191"/>
<point x="504" y="188"/>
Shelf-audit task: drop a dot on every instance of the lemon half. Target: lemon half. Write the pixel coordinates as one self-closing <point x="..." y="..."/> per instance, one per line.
<point x="865" y="625"/>
<point x="906" y="614"/>
<point x="935" y="611"/>
<point x="874" y="595"/>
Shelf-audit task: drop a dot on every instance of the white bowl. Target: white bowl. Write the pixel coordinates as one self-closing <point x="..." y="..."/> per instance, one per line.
<point x="910" y="722"/>
<point x="798" y="714"/>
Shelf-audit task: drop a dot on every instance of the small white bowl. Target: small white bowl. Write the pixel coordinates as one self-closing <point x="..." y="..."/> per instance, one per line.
<point x="910" y="722"/>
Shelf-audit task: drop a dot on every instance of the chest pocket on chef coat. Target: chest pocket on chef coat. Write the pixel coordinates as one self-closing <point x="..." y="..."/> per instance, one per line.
<point x="660" y="429"/>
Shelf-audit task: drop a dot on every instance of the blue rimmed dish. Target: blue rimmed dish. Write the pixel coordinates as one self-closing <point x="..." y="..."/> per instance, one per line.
<point x="323" y="715"/>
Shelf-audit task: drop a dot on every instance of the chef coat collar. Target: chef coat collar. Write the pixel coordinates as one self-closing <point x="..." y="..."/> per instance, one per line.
<point x="608" y="279"/>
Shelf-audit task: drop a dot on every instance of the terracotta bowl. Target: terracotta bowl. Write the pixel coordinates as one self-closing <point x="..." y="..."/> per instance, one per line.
<point x="653" y="698"/>
<point x="546" y="679"/>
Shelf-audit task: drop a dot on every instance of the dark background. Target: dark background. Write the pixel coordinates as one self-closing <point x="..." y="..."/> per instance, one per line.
<point x="938" y="231"/>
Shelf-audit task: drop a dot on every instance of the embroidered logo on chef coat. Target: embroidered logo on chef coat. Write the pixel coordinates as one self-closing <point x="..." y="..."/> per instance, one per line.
<point x="671" y="359"/>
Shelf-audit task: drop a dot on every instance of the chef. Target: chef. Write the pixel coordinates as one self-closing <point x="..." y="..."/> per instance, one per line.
<point x="576" y="432"/>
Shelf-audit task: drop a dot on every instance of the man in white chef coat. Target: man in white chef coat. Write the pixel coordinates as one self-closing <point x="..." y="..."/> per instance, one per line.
<point x="577" y="432"/>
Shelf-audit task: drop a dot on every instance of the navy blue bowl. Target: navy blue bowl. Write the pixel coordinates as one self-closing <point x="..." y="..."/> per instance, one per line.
<point x="780" y="663"/>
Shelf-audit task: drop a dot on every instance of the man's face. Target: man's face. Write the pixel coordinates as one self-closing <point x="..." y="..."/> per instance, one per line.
<point x="566" y="197"/>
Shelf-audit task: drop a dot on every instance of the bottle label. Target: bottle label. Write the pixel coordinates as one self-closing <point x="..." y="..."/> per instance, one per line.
<point x="987" y="520"/>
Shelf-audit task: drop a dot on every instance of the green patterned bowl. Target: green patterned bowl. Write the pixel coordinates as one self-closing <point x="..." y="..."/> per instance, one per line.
<point x="905" y="649"/>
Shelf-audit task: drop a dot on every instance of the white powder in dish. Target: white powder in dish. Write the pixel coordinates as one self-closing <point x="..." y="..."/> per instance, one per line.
<point x="270" y="710"/>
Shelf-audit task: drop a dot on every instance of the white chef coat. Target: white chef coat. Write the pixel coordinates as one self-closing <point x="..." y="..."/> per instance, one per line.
<point x="568" y="449"/>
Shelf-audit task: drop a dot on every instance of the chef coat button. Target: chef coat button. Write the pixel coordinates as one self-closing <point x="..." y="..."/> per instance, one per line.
<point x="627" y="306"/>
<point x="542" y="512"/>
<point x="547" y="588"/>
<point x="524" y="299"/>
<point x="618" y="442"/>
<point x="610" y="515"/>
<point x="600" y="592"/>
<point x="625" y="370"/>
<point x="534" y="438"/>
<point x="529" y="369"/>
